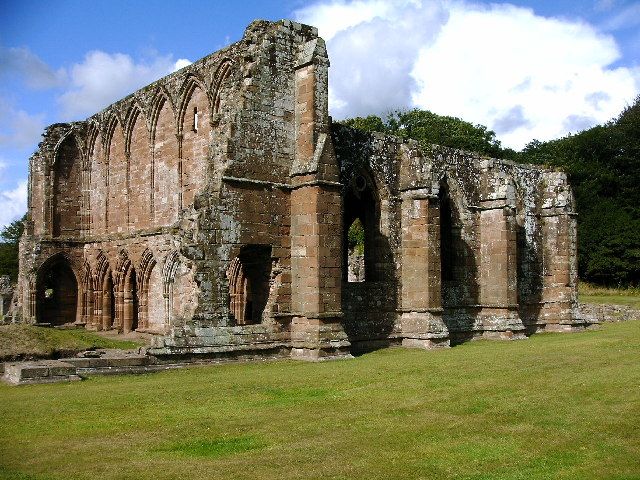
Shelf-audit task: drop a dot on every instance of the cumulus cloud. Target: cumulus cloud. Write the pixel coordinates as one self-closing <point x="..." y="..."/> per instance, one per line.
<point x="13" y="203"/>
<point x="373" y="47"/>
<point x="25" y="64"/>
<point x="503" y="66"/>
<point x="102" y="78"/>
<point x="181" y="63"/>
<point x="19" y="129"/>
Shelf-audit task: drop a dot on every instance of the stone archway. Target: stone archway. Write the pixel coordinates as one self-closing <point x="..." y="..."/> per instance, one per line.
<point x="57" y="292"/>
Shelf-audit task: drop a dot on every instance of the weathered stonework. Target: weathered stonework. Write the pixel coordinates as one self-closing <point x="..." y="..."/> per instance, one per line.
<point x="211" y="209"/>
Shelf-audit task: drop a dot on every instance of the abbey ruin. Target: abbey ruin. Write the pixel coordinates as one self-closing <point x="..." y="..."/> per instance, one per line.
<point x="211" y="209"/>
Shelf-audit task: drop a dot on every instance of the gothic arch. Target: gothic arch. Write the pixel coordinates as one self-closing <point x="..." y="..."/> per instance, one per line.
<point x="362" y="201"/>
<point x="168" y="277"/>
<point x="248" y="275"/>
<point x="67" y="205"/>
<point x="117" y="198"/>
<point x="147" y="264"/>
<point x="134" y="114"/>
<point x="127" y="302"/>
<point x="161" y="97"/>
<point x="86" y="295"/>
<point x="222" y="73"/>
<point x="237" y="290"/>
<point x="195" y="130"/>
<point x="56" y="291"/>
<point x="186" y="91"/>
<point x="165" y="169"/>
<point x="109" y="127"/>
<point x="104" y="295"/>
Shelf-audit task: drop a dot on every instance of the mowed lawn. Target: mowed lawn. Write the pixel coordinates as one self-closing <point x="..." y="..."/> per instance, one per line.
<point x="555" y="406"/>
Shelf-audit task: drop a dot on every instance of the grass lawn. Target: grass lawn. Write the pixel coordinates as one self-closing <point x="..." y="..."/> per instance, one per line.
<point x="620" y="296"/>
<point x="27" y="341"/>
<point x="555" y="406"/>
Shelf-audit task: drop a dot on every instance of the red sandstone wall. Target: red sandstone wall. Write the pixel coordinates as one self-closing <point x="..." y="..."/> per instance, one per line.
<point x="139" y="175"/>
<point x="166" y="189"/>
<point x="118" y="199"/>
<point x="195" y="144"/>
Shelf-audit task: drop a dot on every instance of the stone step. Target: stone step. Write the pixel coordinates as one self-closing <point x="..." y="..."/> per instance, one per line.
<point x="43" y="371"/>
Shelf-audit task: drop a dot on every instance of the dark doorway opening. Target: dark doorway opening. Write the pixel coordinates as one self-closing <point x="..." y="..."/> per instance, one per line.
<point x="57" y="293"/>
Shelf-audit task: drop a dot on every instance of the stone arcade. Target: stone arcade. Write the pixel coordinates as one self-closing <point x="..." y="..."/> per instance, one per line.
<point x="211" y="209"/>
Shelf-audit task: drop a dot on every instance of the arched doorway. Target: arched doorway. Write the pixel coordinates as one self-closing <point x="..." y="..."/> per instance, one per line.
<point x="57" y="292"/>
<point x="249" y="274"/>
<point x="363" y="261"/>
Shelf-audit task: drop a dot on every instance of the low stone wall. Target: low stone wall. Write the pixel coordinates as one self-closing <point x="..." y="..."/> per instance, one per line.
<point x="609" y="312"/>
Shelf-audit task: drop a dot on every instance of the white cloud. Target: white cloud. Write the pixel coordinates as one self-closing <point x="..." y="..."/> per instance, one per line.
<point x="22" y="62"/>
<point x="13" y="203"/>
<point x="181" y="63"/>
<point x="103" y="78"/>
<point x="373" y="47"/>
<point x="18" y="129"/>
<point x="524" y="75"/>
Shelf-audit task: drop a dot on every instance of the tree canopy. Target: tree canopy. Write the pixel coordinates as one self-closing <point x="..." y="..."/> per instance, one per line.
<point x="10" y="236"/>
<point x="603" y="164"/>
<point x="428" y="128"/>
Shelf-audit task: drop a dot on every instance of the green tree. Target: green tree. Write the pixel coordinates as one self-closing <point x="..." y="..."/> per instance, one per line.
<point x="10" y="236"/>
<point x="603" y="164"/>
<point x="428" y="129"/>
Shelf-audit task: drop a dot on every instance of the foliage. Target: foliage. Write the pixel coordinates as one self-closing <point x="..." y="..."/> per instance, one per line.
<point x="554" y="407"/>
<point x="10" y="236"/>
<point x="429" y="128"/>
<point x="603" y="164"/>
<point x="355" y="236"/>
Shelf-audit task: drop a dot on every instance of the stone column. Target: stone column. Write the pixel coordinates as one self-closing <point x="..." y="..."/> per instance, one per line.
<point x="422" y="324"/>
<point x="316" y="218"/>
<point x="559" y="259"/>
<point x="497" y="267"/>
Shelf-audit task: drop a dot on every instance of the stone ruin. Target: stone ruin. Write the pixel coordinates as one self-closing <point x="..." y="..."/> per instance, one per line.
<point x="211" y="209"/>
<point x="6" y="294"/>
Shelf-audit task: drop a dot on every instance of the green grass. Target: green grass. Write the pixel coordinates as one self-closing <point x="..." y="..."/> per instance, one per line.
<point x="28" y="341"/>
<point x="589" y="293"/>
<point x="555" y="406"/>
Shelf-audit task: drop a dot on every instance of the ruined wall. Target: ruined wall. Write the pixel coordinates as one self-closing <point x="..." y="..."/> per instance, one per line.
<point x="212" y="207"/>
<point x="477" y="243"/>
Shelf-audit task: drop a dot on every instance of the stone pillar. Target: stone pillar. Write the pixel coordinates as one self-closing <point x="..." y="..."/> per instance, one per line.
<point x="316" y="218"/>
<point x="498" y="264"/>
<point x="106" y="312"/>
<point x="422" y="324"/>
<point x="559" y="259"/>
<point x="127" y="312"/>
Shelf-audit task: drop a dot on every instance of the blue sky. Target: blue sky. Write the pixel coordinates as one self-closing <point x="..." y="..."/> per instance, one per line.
<point x="527" y="69"/>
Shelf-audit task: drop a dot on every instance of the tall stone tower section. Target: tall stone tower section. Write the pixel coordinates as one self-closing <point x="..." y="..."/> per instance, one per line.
<point x="316" y="215"/>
